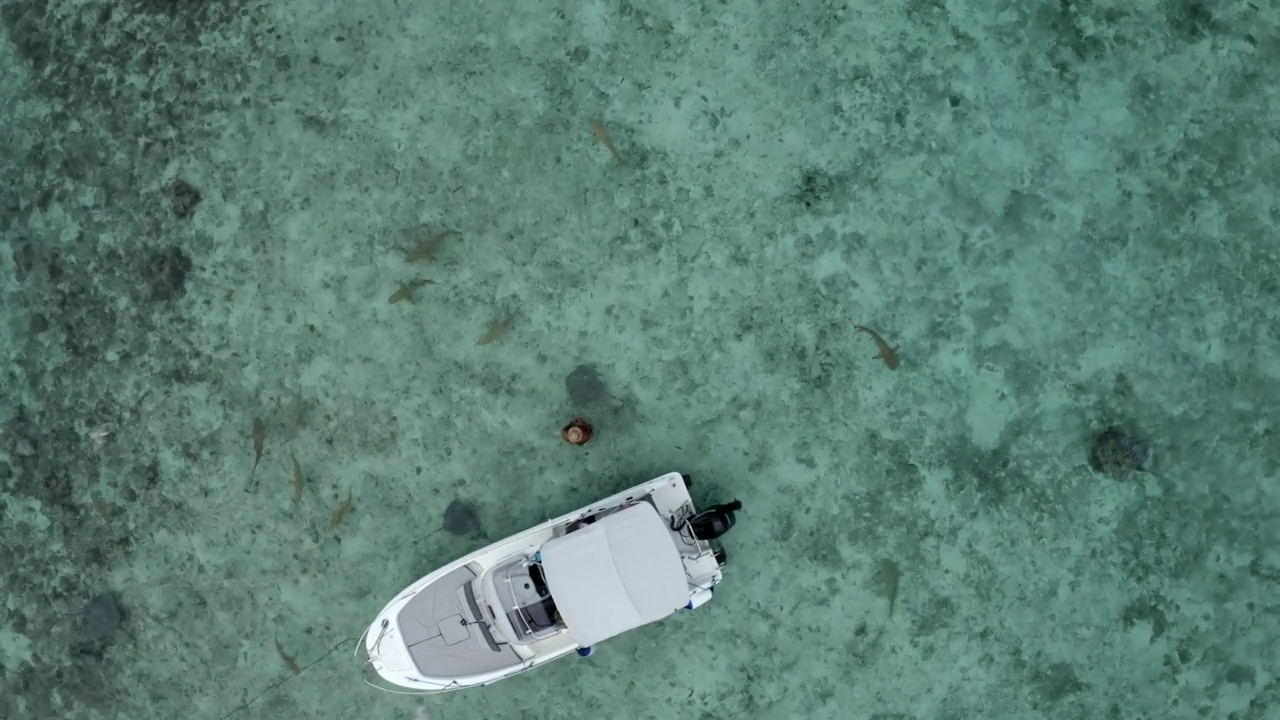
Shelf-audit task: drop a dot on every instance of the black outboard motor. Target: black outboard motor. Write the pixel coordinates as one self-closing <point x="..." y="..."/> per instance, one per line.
<point x="714" y="521"/>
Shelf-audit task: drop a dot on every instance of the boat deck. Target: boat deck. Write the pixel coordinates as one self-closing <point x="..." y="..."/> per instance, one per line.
<point x="446" y="633"/>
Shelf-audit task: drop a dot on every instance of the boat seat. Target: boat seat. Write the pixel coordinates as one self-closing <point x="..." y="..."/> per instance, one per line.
<point x="549" y="613"/>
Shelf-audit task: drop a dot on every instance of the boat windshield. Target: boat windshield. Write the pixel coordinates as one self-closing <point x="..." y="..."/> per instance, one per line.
<point x="532" y="611"/>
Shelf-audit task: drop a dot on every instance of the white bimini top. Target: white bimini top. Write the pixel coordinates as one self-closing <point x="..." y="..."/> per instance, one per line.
<point x="616" y="574"/>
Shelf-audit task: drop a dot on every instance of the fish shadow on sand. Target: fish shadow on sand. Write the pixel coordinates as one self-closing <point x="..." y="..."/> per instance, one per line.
<point x="587" y="391"/>
<point x="462" y="518"/>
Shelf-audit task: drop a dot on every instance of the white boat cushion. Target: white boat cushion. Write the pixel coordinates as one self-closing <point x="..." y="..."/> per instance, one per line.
<point x="616" y="574"/>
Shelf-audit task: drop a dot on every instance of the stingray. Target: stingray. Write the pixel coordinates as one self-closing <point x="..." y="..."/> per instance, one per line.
<point x="586" y="387"/>
<point x="100" y="617"/>
<point x="461" y="518"/>
<point x="1119" y="452"/>
<point x="97" y="625"/>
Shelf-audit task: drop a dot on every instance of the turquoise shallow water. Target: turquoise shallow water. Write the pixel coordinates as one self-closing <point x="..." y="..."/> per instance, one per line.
<point x="1060" y="217"/>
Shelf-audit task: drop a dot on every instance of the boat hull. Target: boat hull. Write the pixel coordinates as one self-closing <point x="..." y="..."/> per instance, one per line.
<point x="394" y="655"/>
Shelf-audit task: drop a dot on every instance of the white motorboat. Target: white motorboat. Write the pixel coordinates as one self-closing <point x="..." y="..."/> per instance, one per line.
<point x="629" y="560"/>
